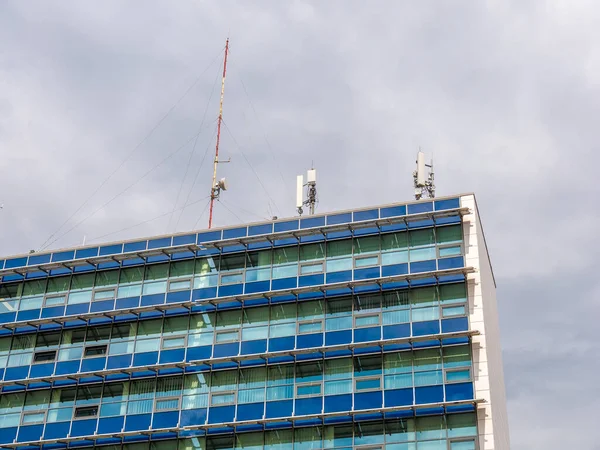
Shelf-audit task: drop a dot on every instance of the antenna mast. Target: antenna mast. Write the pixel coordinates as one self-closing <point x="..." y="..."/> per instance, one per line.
<point x="423" y="178"/>
<point x="216" y="187"/>
<point x="311" y="192"/>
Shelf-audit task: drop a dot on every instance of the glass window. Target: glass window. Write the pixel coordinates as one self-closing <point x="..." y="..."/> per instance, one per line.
<point x="84" y="281"/>
<point x="457" y="356"/>
<point x="308" y="390"/>
<point x="452" y="293"/>
<point x="308" y="438"/>
<point x="366" y="366"/>
<point x="367" y="320"/>
<point x="315" y="326"/>
<point x="312" y="252"/>
<point x="280" y="382"/>
<point x="368" y="433"/>
<point x="229" y="319"/>
<point x="182" y="269"/>
<point x="249" y="441"/>
<point x="180" y="285"/>
<point x="366" y="245"/>
<point x="419" y="238"/>
<point x="431" y="427"/>
<point x="310" y="268"/>
<point x="130" y="282"/>
<point x="338" y="376"/>
<point x="453" y="311"/>
<point x="285" y="262"/>
<point x="258" y="265"/>
<point x="339" y="255"/>
<point x="252" y="385"/>
<point x="227" y="336"/>
<point x="232" y="263"/>
<point x="279" y="439"/>
<point x="461" y="425"/>
<point x="422" y="254"/>
<point x="454" y="250"/>
<point x="448" y="234"/>
<point x="339" y="314"/>
<point x="311" y="310"/>
<point x="106" y="278"/>
<point x="58" y="285"/>
<point x="175" y="325"/>
<point x="205" y="266"/>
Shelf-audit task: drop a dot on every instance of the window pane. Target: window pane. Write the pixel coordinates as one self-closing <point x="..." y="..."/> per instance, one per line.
<point x="422" y="254"/>
<point x="453" y="293"/>
<point x="461" y="425"/>
<point x="368" y="244"/>
<point x="394" y="241"/>
<point x="447" y="234"/>
<point x="450" y="251"/>
<point x="311" y="252"/>
<point x="421" y="237"/>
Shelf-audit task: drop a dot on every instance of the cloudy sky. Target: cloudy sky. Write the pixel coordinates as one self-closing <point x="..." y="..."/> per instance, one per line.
<point x="107" y="120"/>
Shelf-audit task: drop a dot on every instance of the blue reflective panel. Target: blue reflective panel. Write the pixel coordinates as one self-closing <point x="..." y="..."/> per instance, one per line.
<point x="38" y="259"/>
<point x="185" y="239"/>
<point x="447" y="204"/>
<point x="134" y="246"/>
<point x="311" y="222"/>
<point x="286" y="226"/>
<point x="209" y="236"/>
<point x="159" y="243"/>
<point x="234" y="233"/>
<point x="63" y="256"/>
<point x="393" y="211"/>
<point x="255" y="230"/>
<point x="420" y="207"/>
<point x="111" y="249"/>
<point x="15" y="262"/>
<point x="365" y="215"/>
<point x="336" y="219"/>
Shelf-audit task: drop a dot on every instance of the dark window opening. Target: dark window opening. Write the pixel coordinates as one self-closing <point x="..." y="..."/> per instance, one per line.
<point x="95" y="350"/>
<point x="44" y="356"/>
<point x="86" y="411"/>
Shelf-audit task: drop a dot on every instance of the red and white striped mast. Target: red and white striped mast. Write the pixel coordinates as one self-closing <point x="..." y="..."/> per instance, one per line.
<point x="216" y="188"/>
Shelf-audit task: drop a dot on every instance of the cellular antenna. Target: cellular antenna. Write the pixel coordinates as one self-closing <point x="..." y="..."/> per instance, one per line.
<point x="311" y="192"/>
<point x="221" y="185"/>
<point x="424" y="184"/>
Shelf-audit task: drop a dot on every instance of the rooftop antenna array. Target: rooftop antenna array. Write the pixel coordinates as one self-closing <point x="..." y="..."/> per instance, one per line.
<point x="423" y="178"/>
<point x="311" y="192"/>
<point x="221" y="185"/>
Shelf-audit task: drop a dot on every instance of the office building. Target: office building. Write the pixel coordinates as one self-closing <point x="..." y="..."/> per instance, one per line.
<point x="366" y="329"/>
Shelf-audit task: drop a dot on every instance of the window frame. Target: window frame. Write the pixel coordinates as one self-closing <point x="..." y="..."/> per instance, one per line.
<point x="233" y="393"/>
<point x="172" y="338"/>
<point x="171" y="397"/>
<point x="229" y="330"/>
<point x="310" y="321"/>
<point x="305" y="384"/>
<point x="358" y="257"/>
<point x="442" y="246"/>
<point x="65" y="297"/>
<point x="33" y="361"/>
<point x="239" y="272"/>
<point x="31" y="413"/>
<point x="179" y="280"/>
<point x="104" y="289"/>
<point x="79" y="408"/>
<point x="86" y="347"/>
<point x="315" y="262"/>
<point x="458" y="369"/>
<point x="369" y="377"/>
<point x="367" y="314"/>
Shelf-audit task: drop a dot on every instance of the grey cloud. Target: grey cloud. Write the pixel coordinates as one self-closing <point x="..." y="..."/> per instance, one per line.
<point x="505" y="94"/>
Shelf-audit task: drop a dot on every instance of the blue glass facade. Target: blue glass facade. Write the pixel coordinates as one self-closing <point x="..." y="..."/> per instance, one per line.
<point x="338" y="331"/>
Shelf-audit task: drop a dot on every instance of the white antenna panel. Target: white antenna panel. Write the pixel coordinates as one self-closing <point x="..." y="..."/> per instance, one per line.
<point x="311" y="176"/>
<point x="421" y="175"/>
<point x="299" y="191"/>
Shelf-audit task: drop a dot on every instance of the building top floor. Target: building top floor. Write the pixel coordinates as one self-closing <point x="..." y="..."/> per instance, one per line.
<point x="235" y="237"/>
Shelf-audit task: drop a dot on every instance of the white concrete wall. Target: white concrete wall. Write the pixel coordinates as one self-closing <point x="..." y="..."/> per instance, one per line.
<point x="488" y="372"/>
